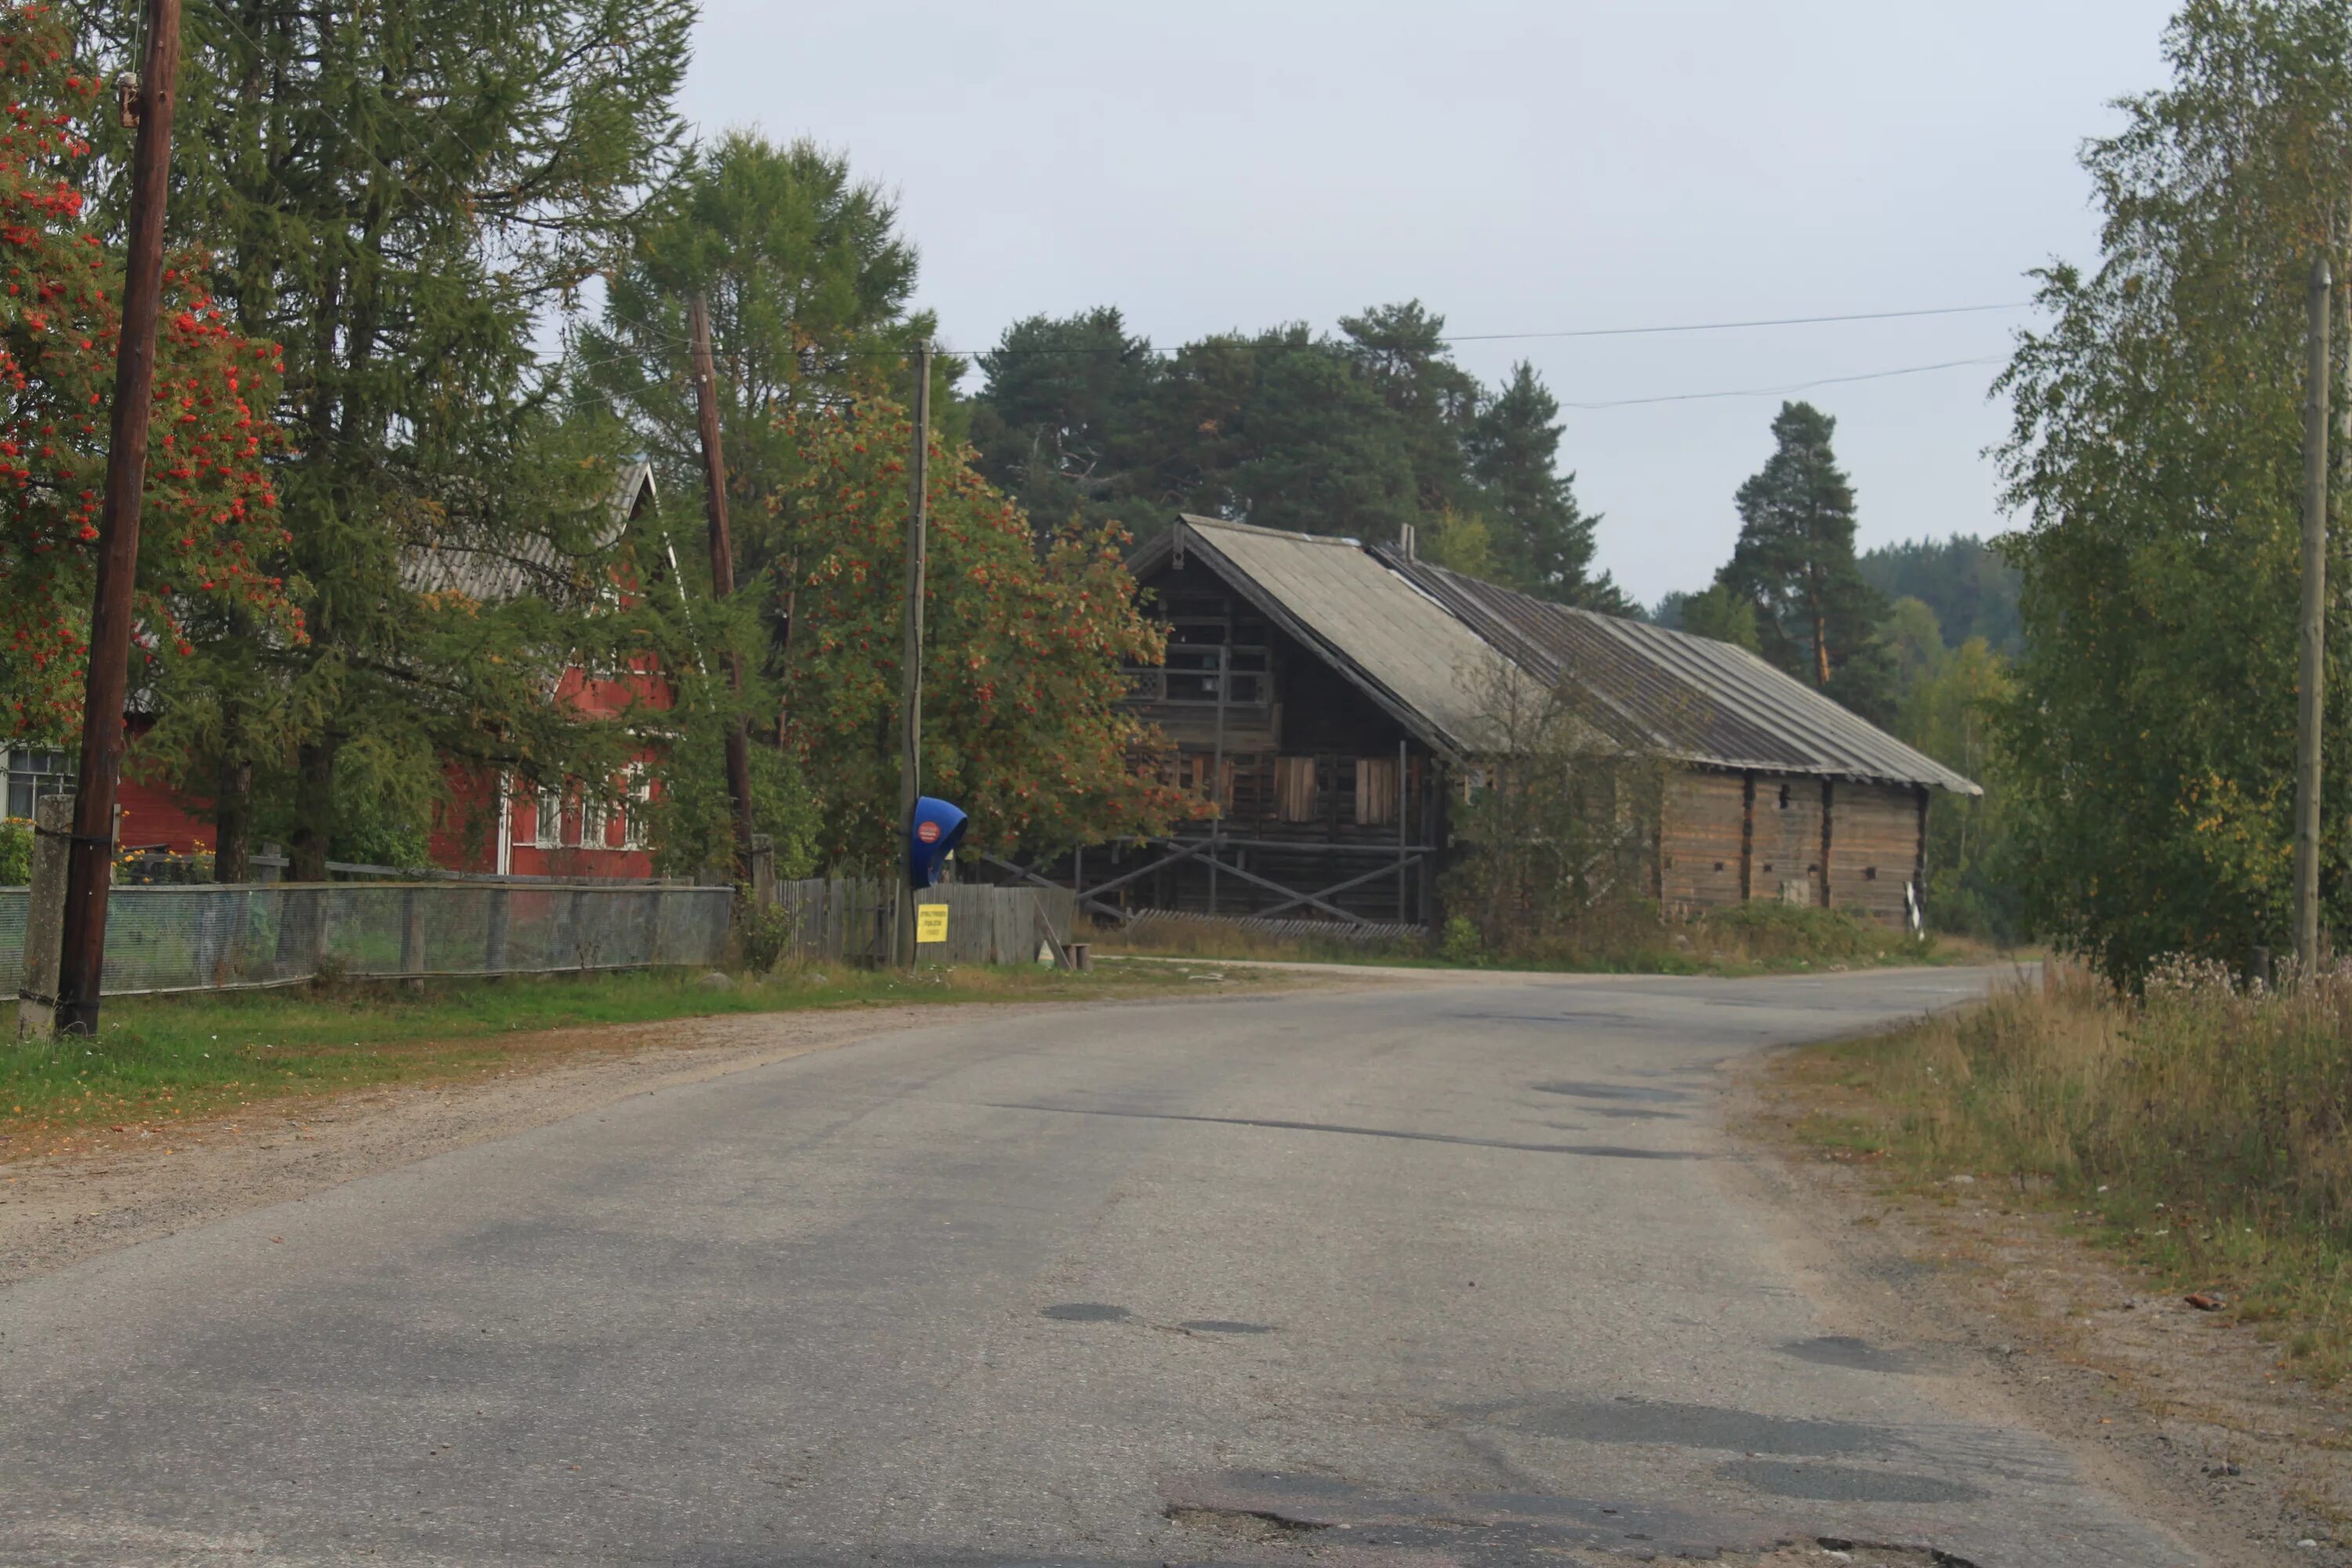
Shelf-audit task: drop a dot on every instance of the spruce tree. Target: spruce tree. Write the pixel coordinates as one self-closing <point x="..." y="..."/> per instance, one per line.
<point x="1543" y="540"/>
<point x="1816" y="618"/>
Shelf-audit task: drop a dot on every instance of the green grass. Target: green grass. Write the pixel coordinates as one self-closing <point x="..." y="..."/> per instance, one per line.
<point x="2199" y="1130"/>
<point x="165" y="1058"/>
<point x="1753" y="939"/>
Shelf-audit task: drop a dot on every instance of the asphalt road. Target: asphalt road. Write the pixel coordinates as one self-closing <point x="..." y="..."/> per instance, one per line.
<point x="1453" y="1273"/>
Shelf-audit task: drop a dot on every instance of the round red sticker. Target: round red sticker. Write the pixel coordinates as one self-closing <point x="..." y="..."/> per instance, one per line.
<point x="929" y="832"/>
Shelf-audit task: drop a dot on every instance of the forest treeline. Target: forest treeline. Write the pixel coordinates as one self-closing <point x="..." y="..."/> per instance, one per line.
<point x="1363" y="432"/>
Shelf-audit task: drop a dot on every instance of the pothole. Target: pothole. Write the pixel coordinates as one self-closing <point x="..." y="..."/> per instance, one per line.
<point x="1261" y="1526"/>
<point x="1823" y="1550"/>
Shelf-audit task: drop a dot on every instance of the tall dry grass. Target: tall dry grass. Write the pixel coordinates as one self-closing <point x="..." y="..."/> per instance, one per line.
<point x="2204" y="1123"/>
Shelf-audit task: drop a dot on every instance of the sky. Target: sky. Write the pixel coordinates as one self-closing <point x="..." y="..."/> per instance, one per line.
<point x="1520" y="168"/>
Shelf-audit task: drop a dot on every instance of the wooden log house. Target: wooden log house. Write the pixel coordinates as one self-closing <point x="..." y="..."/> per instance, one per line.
<point x="1326" y="695"/>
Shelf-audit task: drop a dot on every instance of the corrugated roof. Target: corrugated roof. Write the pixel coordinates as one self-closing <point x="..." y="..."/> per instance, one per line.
<point x="1703" y="700"/>
<point x="1400" y="644"/>
<point x="491" y="572"/>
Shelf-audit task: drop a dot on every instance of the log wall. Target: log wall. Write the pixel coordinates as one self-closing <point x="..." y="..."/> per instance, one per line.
<point x="1874" y="849"/>
<point x="1700" y="838"/>
<point x="1788" y="837"/>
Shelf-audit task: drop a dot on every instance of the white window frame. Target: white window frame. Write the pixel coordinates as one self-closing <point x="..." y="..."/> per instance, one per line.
<point x="547" y="820"/>
<point x="639" y="784"/>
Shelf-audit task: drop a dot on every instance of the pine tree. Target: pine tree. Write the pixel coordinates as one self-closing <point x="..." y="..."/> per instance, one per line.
<point x="1815" y="616"/>
<point x="1066" y="426"/>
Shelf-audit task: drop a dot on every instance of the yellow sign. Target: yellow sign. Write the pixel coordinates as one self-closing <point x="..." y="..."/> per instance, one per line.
<point x="930" y="922"/>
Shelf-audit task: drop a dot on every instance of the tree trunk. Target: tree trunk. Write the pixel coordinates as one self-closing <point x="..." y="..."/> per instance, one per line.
<point x="233" y="821"/>
<point x="314" y="810"/>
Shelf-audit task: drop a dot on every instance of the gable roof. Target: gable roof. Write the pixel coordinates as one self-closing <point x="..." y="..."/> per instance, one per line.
<point x="1692" y="697"/>
<point x="527" y="563"/>
<point x="1414" y="636"/>
<point x="1372" y="624"/>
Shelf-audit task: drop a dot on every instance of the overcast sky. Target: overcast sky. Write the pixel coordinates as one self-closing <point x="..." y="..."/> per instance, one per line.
<point x="1519" y="168"/>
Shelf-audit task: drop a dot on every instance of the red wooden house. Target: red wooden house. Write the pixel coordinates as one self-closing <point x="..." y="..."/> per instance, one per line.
<point x="485" y="823"/>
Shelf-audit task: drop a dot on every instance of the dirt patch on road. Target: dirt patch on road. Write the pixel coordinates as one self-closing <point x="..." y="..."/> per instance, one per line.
<point x="120" y="1186"/>
<point x="2194" y="1416"/>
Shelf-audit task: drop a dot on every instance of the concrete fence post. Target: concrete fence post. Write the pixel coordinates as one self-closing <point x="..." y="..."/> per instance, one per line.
<point x="412" y="937"/>
<point x="45" y="919"/>
<point x="763" y="869"/>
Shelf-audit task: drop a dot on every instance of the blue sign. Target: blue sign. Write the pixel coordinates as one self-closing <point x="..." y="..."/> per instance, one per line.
<point x="937" y="829"/>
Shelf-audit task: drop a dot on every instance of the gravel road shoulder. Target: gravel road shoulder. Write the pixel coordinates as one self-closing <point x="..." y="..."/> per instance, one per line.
<point x="2191" y="1414"/>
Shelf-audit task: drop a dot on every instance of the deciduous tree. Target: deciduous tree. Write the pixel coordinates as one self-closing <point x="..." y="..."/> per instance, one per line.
<point x="212" y="528"/>
<point x="1022" y="674"/>
<point x="2156" y="460"/>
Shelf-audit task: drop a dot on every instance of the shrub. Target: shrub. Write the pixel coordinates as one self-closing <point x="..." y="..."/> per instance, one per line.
<point x="764" y="932"/>
<point x="1461" y="944"/>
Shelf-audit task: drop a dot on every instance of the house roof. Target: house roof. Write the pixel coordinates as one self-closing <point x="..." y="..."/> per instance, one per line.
<point x="1417" y="637"/>
<point x="508" y="568"/>
<point x="1404" y="649"/>
<point x="1692" y="697"/>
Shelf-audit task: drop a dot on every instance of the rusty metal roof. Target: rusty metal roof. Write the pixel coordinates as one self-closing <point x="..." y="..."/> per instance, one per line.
<point x="1699" y="699"/>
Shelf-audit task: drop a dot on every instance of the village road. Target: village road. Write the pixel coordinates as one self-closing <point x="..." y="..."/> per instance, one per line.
<point x="1439" y="1273"/>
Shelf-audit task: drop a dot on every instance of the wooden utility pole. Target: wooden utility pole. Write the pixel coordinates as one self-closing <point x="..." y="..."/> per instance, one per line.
<point x="911" y="753"/>
<point x="722" y="571"/>
<point x="89" y="861"/>
<point x="2308" y="936"/>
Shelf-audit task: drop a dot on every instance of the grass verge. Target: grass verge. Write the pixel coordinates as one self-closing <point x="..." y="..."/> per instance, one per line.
<point x="163" y="1059"/>
<point x="2202" y="1130"/>
<point x="1754" y="938"/>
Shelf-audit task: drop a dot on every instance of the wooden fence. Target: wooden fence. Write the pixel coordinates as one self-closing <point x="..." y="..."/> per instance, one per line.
<point x="850" y="920"/>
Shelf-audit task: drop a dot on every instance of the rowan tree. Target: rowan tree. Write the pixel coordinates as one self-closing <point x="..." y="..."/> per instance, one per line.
<point x="1023" y="653"/>
<point x="211" y="534"/>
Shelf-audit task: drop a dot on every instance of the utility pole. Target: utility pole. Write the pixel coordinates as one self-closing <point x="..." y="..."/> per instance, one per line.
<point x="910" y="752"/>
<point x="722" y="571"/>
<point x="2307" y="933"/>
<point x="89" y="858"/>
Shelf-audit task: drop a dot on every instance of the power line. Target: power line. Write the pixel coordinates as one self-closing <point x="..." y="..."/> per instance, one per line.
<point x="1737" y="326"/>
<point x="1077" y="349"/>
<point x="1794" y="387"/>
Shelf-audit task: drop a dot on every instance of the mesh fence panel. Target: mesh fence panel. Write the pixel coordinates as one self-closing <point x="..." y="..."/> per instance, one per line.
<point x="13" y="901"/>
<point x="209" y="936"/>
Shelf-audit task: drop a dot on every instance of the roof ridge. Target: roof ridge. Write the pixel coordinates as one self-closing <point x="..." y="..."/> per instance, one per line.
<point x="1344" y="542"/>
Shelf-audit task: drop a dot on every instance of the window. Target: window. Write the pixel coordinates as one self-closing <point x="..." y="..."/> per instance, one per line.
<point x="1376" y="791"/>
<point x="1294" y="789"/>
<point x="547" y="820"/>
<point x="35" y="776"/>
<point x="595" y="820"/>
<point x="639" y="783"/>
